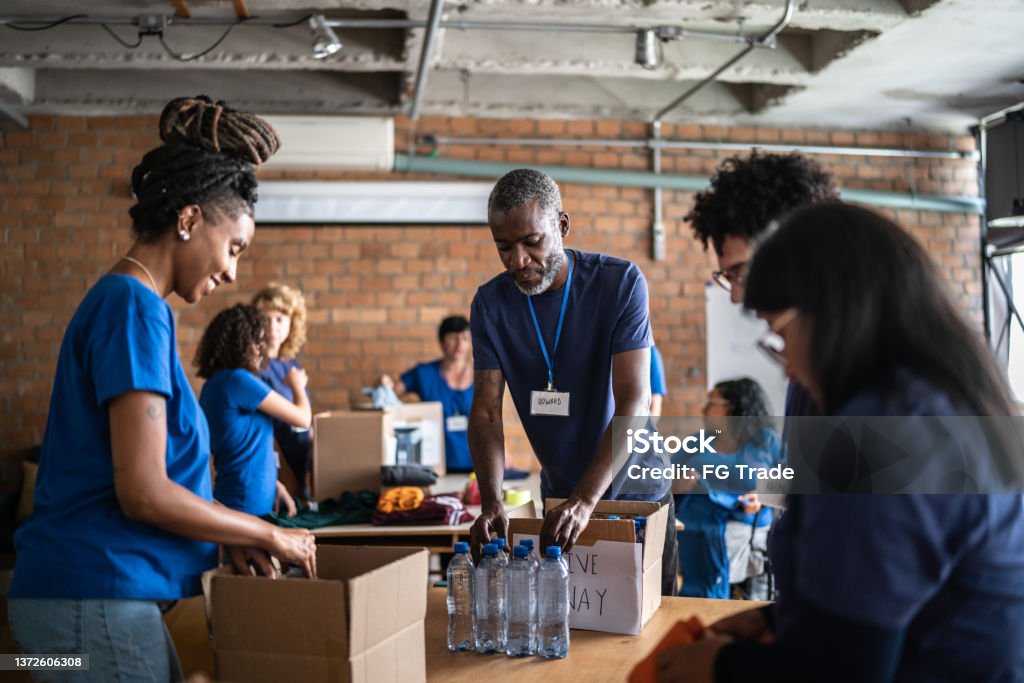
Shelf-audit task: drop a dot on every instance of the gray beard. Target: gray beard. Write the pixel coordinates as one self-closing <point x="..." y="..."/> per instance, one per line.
<point x="552" y="265"/>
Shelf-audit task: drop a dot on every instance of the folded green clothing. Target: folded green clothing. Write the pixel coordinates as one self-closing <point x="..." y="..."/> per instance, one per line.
<point x="349" y="508"/>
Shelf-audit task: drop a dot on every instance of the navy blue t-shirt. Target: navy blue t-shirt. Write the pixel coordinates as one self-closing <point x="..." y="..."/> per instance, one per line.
<point x="948" y="569"/>
<point x="426" y="380"/>
<point x="296" y="444"/>
<point x="78" y="543"/>
<point x="607" y="314"/>
<point x="242" y="441"/>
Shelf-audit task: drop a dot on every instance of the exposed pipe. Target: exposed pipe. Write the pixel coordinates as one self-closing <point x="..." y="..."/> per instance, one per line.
<point x="459" y="24"/>
<point x="405" y="163"/>
<point x="428" y="50"/>
<point x="696" y="144"/>
<point x="768" y="40"/>
<point x="658" y="223"/>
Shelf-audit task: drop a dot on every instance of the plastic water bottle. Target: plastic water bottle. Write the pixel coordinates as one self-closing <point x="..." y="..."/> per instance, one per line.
<point x="500" y="542"/>
<point x="489" y="626"/>
<point x="532" y="556"/>
<point x="553" y="605"/>
<point x="460" y="600"/>
<point x="641" y="528"/>
<point x="520" y="598"/>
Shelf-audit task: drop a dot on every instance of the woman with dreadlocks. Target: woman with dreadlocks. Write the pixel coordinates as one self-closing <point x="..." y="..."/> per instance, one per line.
<point x="124" y="519"/>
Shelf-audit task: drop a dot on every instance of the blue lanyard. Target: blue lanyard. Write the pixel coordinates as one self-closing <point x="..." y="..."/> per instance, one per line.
<point x="558" y="330"/>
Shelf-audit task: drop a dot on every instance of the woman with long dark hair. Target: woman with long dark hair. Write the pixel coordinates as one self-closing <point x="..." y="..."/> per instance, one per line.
<point x="880" y="587"/>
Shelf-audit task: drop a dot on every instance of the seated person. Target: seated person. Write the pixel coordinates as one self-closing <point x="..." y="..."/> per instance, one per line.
<point x="240" y="407"/>
<point x="448" y="380"/>
<point x="725" y="534"/>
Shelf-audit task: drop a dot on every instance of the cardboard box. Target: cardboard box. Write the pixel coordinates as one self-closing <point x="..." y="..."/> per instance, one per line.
<point x="614" y="582"/>
<point x="349" y="446"/>
<point x="360" y="622"/>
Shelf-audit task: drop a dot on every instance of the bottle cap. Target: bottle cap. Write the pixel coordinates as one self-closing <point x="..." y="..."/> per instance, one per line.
<point x="553" y="551"/>
<point x="612" y="517"/>
<point x="498" y="541"/>
<point x="528" y="542"/>
<point x="490" y="549"/>
<point x="520" y="551"/>
<point x="461" y="547"/>
<point x="640" y="522"/>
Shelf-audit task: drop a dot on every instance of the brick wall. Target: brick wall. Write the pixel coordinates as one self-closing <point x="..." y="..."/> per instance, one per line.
<point x="376" y="294"/>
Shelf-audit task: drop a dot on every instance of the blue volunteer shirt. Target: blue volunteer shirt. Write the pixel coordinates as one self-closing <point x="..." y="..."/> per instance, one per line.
<point x="426" y="380"/>
<point x="242" y="441"/>
<point x="657" y="372"/>
<point x="947" y="569"/>
<point x="296" y="444"/>
<point x="607" y="314"/>
<point x="78" y="543"/>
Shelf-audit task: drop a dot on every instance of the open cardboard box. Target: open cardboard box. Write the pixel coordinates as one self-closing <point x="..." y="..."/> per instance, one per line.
<point x="614" y="582"/>
<point x="360" y="622"/>
<point x="349" y="446"/>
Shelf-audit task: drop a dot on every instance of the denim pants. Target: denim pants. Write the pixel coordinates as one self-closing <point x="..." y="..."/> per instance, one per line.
<point x="126" y="640"/>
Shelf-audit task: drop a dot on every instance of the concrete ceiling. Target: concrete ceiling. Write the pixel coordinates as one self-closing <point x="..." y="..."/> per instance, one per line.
<point x="929" y="64"/>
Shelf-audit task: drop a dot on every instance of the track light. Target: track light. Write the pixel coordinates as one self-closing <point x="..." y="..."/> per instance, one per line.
<point x="325" y="42"/>
<point x="648" y="52"/>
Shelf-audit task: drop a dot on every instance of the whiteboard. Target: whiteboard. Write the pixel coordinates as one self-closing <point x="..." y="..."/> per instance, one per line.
<point x="732" y="351"/>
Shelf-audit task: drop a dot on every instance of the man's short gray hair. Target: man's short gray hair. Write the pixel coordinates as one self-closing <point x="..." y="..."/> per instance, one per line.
<point x="522" y="186"/>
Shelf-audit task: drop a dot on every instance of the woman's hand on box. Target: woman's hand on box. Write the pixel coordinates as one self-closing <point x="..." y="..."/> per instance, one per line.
<point x="295" y="546"/>
<point x="246" y="560"/>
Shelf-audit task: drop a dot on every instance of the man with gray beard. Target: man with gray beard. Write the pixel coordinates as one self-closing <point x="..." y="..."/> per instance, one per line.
<point x="570" y="334"/>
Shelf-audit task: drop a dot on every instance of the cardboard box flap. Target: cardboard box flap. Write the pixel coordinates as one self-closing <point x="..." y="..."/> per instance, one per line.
<point x="386" y="599"/>
<point x="340" y="563"/>
<point x="527" y="510"/>
<point x="237" y="601"/>
<point x="656" y="523"/>
<point x="399" y="659"/>
<point x="614" y="507"/>
<point x="598" y="530"/>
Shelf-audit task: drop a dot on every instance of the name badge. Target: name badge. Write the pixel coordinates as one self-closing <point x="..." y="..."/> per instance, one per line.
<point x="549" y="403"/>
<point x="456" y="423"/>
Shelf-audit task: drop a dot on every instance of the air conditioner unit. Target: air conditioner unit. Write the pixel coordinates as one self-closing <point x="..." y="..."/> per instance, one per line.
<point x="333" y="142"/>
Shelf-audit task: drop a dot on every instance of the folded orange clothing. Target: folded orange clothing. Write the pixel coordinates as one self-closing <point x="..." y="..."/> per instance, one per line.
<point x="683" y="633"/>
<point x="401" y="498"/>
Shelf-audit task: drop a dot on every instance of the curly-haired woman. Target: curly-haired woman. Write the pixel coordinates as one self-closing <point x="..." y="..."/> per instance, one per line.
<point x="240" y="406"/>
<point x="124" y="516"/>
<point x="284" y="308"/>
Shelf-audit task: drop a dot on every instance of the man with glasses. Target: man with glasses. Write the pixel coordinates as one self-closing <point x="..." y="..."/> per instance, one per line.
<point x="746" y="196"/>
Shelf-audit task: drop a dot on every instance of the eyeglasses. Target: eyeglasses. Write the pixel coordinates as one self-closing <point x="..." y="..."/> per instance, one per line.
<point x="771" y="343"/>
<point x="733" y="276"/>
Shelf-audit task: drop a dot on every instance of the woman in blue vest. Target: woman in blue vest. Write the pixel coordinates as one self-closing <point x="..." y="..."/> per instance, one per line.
<point x="123" y="516"/>
<point x="284" y="308"/>
<point x="448" y="380"/>
<point x="926" y="585"/>
<point x="240" y="407"/>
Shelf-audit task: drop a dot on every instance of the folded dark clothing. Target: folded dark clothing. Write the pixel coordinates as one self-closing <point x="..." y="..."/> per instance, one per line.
<point x="349" y="508"/>
<point x="439" y="510"/>
<point x="407" y="475"/>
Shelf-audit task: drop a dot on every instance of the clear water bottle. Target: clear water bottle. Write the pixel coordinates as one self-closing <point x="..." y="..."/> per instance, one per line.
<point x="489" y="627"/>
<point x="500" y="542"/>
<point x="553" y="605"/>
<point x="520" y="598"/>
<point x="532" y="556"/>
<point x="641" y="528"/>
<point x="460" y="600"/>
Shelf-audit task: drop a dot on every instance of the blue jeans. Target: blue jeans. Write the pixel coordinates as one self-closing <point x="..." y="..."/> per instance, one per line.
<point x="126" y="640"/>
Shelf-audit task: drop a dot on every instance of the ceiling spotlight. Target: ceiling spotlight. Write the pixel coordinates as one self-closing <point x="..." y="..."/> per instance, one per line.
<point x="648" y="52"/>
<point x="325" y="42"/>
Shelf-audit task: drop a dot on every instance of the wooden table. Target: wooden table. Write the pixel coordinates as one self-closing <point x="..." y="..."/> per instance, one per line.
<point x="593" y="657"/>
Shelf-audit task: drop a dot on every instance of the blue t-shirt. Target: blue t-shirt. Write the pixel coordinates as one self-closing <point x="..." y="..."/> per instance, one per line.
<point x="241" y="440"/>
<point x="657" y="373"/>
<point x="426" y="380"/>
<point x="296" y="444"/>
<point x="607" y="314"/>
<point x="949" y="569"/>
<point x="78" y="543"/>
